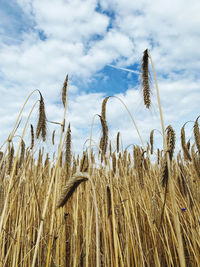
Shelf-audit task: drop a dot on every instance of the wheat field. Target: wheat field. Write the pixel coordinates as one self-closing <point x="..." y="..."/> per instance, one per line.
<point x="112" y="208"/>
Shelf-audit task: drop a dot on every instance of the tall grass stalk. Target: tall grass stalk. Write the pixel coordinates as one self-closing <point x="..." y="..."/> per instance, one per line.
<point x="171" y="183"/>
<point x="3" y="221"/>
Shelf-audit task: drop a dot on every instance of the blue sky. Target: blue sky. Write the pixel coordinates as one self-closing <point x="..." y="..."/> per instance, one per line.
<point x="97" y="43"/>
<point x="13" y="22"/>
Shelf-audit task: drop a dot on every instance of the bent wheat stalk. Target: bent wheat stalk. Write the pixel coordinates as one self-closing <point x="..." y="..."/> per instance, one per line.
<point x="71" y="186"/>
<point x="131" y="118"/>
<point x="68" y="191"/>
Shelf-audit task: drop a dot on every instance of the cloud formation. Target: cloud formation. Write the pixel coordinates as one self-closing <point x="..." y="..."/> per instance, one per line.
<point x="81" y="38"/>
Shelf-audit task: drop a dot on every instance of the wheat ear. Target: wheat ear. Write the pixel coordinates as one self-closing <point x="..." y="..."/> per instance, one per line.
<point x="118" y="134"/>
<point x="32" y="137"/>
<point x="22" y="153"/>
<point x="197" y="135"/>
<point x="170" y="141"/>
<point x="109" y="201"/>
<point x="68" y="149"/>
<point x="41" y="126"/>
<point x="104" y="126"/>
<point x="64" y="90"/>
<point x="53" y="137"/>
<point x="151" y="141"/>
<point x="186" y="152"/>
<point x="70" y="187"/>
<point x="145" y="79"/>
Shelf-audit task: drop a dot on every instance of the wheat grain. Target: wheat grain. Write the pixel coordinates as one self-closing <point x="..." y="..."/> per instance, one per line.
<point x="64" y="91"/>
<point x="22" y="154"/>
<point x="145" y="79"/>
<point x="170" y="141"/>
<point x="70" y="187"/>
<point x="53" y="137"/>
<point x="164" y="172"/>
<point x="118" y="134"/>
<point x="183" y="144"/>
<point x="114" y="162"/>
<point x="32" y="137"/>
<point x="151" y="141"/>
<point x="10" y="159"/>
<point x="41" y="126"/>
<point x="197" y="135"/>
<point x="109" y="201"/>
<point x="68" y="149"/>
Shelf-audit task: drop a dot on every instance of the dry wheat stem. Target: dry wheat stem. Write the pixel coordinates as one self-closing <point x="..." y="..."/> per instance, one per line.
<point x="46" y="203"/>
<point x="171" y="184"/>
<point x="13" y="171"/>
<point x="67" y="192"/>
<point x="140" y="137"/>
<point x="20" y="113"/>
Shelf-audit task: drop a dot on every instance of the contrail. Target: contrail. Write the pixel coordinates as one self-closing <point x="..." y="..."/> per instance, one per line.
<point x="115" y="67"/>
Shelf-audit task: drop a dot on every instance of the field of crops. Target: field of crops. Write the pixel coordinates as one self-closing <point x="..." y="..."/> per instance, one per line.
<point x="115" y="207"/>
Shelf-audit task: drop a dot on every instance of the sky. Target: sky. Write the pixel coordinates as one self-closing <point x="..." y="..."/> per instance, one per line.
<point x="99" y="44"/>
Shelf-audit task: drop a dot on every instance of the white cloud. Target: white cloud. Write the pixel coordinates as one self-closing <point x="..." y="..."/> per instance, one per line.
<point x="69" y="21"/>
<point x="81" y="40"/>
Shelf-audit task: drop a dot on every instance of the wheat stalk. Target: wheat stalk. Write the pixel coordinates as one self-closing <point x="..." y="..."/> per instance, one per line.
<point x="70" y="187"/>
